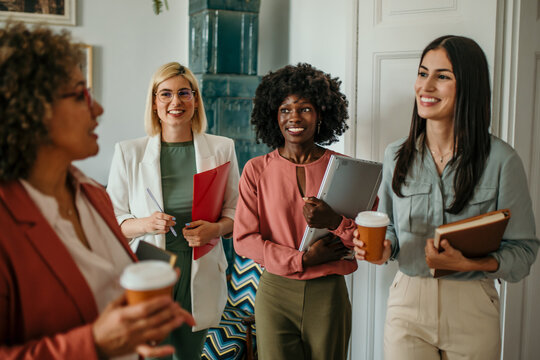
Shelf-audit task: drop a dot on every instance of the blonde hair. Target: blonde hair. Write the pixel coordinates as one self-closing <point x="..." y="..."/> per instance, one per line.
<point x="152" y="124"/>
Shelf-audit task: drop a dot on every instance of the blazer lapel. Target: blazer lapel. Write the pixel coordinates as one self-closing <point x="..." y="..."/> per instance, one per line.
<point x="150" y="173"/>
<point x="204" y="158"/>
<point x="49" y="246"/>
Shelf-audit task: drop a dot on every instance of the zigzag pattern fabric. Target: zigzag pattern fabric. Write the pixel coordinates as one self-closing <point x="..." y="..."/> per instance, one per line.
<point x="244" y="283"/>
<point x="228" y="340"/>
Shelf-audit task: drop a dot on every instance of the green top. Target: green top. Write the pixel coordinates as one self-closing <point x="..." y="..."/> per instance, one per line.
<point x="177" y="162"/>
<point x="426" y="195"/>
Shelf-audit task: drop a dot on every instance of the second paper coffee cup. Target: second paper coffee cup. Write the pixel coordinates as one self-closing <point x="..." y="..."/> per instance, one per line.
<point x="147" y="279"/>
<point x="372" y="230"/>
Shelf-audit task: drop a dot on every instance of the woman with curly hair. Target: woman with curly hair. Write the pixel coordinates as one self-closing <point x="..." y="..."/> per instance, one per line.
<point x="61" y="250"/>
<point x="302" y="308"/>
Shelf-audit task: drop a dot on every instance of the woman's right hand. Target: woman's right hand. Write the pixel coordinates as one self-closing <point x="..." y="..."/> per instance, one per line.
<point x="360" y="252"/>
<point x="158" y="223"/>
<point x="328" y="248"/>
<point x="123" y="329"/>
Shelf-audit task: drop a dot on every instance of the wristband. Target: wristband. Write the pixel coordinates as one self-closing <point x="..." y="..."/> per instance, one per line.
<point x="220" y="229"/>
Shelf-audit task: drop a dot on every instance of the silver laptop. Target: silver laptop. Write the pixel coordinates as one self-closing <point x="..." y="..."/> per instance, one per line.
<point x="349" y="186"/>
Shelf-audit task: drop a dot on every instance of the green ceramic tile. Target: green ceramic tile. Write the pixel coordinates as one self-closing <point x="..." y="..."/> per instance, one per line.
<point x="223" y="42"/>
<point x="235" y="5"/>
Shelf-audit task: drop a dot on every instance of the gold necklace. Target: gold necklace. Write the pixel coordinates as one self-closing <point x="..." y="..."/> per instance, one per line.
<point x="66" y="210"/>
<point x="441" y="157"/>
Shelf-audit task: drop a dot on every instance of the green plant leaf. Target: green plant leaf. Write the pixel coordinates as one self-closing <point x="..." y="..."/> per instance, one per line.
<point x="157" y="5"/>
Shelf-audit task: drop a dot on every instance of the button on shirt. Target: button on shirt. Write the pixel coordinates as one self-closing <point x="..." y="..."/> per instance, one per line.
<point x="414" y="217"/>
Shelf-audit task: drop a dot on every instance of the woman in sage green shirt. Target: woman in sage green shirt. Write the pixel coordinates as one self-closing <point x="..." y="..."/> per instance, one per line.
<point x="164" y="163"/>
<point x="450" y="168"/>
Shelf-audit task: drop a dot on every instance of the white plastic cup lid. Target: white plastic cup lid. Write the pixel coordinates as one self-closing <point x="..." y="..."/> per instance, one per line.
<point x="147" y="275"/>
<point x="372" y="219"/>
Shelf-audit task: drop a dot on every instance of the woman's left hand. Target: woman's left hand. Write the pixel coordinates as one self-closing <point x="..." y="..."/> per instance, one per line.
<point x="200" y="232"/>
<point x="449" y="259"/>
<point x="326" y="249"/>
<point x="319" y="214"/>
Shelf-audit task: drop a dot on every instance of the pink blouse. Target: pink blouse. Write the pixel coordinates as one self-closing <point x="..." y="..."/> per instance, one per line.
<point x="269" y="222"/>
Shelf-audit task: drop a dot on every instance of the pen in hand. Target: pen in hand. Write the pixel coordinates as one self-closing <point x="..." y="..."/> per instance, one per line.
<point x="160" y="209"/>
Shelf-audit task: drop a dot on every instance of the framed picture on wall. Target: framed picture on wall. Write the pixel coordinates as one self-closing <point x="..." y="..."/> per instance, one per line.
<point x="87" y="68"/>
<point x="58" y="12"/>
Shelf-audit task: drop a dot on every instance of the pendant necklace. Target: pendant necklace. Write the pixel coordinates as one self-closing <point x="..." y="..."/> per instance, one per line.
<point x="441" y="157"/>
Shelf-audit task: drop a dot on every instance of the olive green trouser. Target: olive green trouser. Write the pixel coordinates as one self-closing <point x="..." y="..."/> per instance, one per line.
<point x="302" y="319"/>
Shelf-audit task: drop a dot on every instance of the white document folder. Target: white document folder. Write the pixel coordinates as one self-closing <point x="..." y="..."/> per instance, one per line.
<point x="349" y="186"/>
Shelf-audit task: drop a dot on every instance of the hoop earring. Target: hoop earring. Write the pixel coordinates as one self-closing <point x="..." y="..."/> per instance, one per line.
<point x="318" y="127"/>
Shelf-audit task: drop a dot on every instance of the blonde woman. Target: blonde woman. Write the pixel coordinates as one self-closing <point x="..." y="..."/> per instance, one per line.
<point x="164" y="163"/>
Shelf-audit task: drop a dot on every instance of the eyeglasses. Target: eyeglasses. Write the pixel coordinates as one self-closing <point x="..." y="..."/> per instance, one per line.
<point x="85" y="93"/>
<point x="166" y="96"/>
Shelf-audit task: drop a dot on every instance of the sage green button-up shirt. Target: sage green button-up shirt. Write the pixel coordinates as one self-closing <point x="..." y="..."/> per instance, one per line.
<point x="414" y="217"/>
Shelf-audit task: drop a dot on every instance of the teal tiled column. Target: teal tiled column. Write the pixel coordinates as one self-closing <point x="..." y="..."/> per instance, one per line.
<point x="223" y="39"/>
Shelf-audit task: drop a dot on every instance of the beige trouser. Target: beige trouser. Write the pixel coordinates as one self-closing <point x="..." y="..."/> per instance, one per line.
<point x="431" y="318"/>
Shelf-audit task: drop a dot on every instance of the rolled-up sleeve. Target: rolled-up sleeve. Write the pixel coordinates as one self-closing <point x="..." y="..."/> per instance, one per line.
<point x="118" y="186"/>
<point x="231" y="192"/>
<point x="519" y="245"/>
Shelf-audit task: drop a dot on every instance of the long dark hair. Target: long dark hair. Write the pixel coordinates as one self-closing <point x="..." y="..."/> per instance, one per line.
<point x="472" y="118"/>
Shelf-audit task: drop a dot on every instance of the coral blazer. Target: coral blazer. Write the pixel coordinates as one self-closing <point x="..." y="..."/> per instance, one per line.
<point x="46" y="306"/>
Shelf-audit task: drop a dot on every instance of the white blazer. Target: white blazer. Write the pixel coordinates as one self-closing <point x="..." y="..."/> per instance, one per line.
<point x="135" y="167"/>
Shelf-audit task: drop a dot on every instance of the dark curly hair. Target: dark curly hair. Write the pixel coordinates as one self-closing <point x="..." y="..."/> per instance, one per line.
<point x="306" y="82"/>
<point x="34" y="65"/>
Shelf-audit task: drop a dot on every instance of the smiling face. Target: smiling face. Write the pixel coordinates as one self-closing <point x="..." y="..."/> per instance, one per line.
<point x="297" y="119"/>
<point x="179" y="111"/>
<point x="73" y="120"/>
<point x="435" y="87"/>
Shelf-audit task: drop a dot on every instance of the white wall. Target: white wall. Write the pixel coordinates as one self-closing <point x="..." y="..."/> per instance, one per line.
<point x="129" y="44"/>
<point x="273" y="35"/>
<point x="321" y="33"/>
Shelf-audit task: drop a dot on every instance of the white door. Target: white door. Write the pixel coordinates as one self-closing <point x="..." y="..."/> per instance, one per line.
<point x="391" y="36"/>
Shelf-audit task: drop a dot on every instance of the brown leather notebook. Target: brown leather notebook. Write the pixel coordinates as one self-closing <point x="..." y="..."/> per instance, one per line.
<point x="475" y="237"/>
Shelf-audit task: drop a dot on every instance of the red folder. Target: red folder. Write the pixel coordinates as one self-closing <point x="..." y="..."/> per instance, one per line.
<point x="208" y="194"/>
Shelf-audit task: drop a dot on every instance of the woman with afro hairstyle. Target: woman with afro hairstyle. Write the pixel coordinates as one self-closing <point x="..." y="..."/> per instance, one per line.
<point x="302" y="308"/>
<point x="61" y="250"/>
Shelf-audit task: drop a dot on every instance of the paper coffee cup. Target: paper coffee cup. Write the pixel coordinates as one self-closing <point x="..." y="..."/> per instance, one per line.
<point x="372" y="231"/>
<point x="146" y="279"/>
